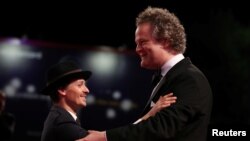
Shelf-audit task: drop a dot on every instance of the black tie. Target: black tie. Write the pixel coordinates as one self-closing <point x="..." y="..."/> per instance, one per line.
<point x="78" y="121"/>
<point x="156" y="78"/>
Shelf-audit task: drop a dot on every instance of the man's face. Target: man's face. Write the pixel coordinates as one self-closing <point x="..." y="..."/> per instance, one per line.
<point x="75" y="93"/>
<point x="149" y="50"/>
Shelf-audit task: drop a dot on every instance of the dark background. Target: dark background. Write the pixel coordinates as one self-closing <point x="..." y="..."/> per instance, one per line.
<point x="218" y="41"/>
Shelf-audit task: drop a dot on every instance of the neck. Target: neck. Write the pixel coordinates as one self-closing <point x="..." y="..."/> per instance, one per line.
<point x="64" y="105"/>
<point x="166" y="57"/>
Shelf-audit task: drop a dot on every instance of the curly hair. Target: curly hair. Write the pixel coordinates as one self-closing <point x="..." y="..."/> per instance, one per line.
<point x="166" y="26"/>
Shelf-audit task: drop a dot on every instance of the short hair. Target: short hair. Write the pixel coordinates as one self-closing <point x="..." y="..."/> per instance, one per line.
<point x="54" y="94"/>
<point x="166" y="26"/>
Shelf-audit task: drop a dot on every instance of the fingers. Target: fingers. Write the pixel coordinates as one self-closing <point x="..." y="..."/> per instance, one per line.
<point x="166" y="100"/>
<point x="164" y="105"/>
<point x="168" y="95"/>
<point x="167" y="103"/>
<point x="93" y="131"/>
<point x="169" y="98"/>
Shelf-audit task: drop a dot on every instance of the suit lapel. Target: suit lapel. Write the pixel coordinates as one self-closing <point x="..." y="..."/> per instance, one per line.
<point x="178" y="67"/>
<point x="154" y="92"/>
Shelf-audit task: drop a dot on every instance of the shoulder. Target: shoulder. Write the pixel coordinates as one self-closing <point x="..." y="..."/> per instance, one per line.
<point x="59" y="115"/>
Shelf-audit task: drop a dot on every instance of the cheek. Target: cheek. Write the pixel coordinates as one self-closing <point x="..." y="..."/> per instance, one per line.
<point x="150" y="54"/>
<point x="72" y="94"/>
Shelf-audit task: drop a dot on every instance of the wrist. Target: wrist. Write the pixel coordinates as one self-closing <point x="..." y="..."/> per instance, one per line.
<point x="139" y="120"/>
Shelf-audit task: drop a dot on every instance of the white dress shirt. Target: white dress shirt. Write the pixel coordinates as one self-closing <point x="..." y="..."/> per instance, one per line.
<point x="166" y="67"/>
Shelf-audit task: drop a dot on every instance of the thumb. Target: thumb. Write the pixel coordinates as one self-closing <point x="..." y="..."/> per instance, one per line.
<point x="92" y="131"/>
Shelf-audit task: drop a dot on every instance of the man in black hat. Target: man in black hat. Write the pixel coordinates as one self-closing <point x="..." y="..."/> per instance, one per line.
<point x="66" y="86"/>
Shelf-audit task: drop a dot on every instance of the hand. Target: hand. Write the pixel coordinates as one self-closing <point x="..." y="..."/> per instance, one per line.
<point x="163" y="102"/>
<point x="94" y="136"/>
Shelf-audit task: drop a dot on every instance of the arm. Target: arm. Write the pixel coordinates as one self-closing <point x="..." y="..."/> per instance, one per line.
<point x="163" y="102"/>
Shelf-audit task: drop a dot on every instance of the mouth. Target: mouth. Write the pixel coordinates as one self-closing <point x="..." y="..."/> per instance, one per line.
<point x="143" y="55"/>
<point x="83" y="98"/>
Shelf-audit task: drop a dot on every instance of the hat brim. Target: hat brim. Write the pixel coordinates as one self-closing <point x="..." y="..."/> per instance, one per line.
<point x="66" y="78"/>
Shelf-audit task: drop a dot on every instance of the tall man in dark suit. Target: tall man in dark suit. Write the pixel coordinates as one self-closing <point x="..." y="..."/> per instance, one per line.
<point x="66" y="85"/>
<point x="161" y="42"/>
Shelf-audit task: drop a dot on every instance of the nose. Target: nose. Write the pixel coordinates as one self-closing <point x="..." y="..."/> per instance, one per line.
<point x="138" y="48"/>
<point x="86" y="90"/>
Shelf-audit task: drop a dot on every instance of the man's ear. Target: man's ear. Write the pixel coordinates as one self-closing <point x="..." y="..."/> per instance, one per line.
<point x="61" y="91"/>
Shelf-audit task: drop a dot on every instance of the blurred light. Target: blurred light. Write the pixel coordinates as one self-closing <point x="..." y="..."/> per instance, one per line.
<point x="13" y="53"/>
<point x="13" y="86"/>
<point x="126" y="105"/>
<point x="90" y="99"/>
<point x="31" y="88"/>
<point x="10" y="90"/>
<point x="14" y="42"/>
<point x="117" y="95"/>
<point x="10" y="51"/>
<point x="103" y="63"/>
<point x="110" y="113"/>
<point x="16" y="83"/>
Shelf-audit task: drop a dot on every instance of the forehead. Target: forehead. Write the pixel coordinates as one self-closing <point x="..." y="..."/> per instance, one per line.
<point x="143" y="30"/>
<point x="74" y="81"/>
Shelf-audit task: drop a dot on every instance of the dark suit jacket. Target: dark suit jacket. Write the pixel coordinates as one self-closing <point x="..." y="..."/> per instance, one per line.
<point x="61" y="126"/>
<point x="186" y="120"/>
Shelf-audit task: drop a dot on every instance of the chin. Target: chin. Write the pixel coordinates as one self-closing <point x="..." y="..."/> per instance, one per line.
<point x="145" y="65"/>
<point x="84" y="104"/>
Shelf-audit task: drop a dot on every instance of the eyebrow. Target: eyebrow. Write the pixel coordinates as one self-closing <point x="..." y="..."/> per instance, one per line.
<point x="81" y="81"/>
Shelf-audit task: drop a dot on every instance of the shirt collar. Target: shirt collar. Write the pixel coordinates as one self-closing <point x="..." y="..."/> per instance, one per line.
<point x="170" y="63"/>
<point x="73" y="115"/>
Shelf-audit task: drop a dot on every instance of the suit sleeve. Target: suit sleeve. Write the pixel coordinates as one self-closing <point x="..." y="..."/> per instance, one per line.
<point x="170" y="121"/>
<point x="69" y="131"/>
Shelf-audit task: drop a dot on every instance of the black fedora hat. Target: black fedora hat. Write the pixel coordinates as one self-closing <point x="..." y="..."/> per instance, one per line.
<point x="63" y="72"/>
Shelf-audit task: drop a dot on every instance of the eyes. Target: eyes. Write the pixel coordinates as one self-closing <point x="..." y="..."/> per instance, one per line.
<point x="141" y="42"/>
<point x="80" y="83"/>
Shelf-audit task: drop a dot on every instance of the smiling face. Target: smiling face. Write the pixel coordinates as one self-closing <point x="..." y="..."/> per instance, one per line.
<point x="148" y="48"/>
<point x="74" y="94"/>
